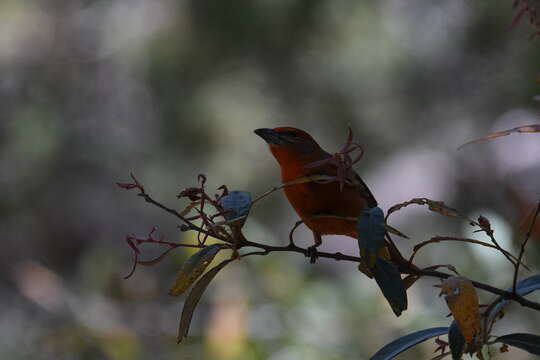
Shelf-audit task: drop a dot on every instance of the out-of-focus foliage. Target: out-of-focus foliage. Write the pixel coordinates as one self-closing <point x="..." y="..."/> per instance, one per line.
<point x="92" y="90"/>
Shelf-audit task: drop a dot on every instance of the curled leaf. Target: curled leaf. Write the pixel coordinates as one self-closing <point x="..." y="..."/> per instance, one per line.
<point x="520" y="129"/>
<point x="134" y="185"/>
<point x="485" y="224"/>
<point x="462" y="300"/>
<point x="193" y="268"/>
<point x="435" y="206"/>
<point x="127" y="186"/>
<point x="343" y="161"/>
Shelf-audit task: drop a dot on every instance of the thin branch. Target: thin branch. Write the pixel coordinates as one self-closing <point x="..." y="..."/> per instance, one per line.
<point x="505" y="294"/>
<point x="437" y="239"/>
<point x="266" y="193"/>
<point x="291" y="233"/>
<point x="157" y="259"/>
<point x="523" y="244"/>
<point x="505" y="253"/>
<point x="254" y="253"/>
<point x="313" y="217"/>
<point x="485" y="226"/>
<point x="171" y="244"/>
<point x="322" y="179"/>
<point x="191" y="226"/>
<point x="403" y="268"/>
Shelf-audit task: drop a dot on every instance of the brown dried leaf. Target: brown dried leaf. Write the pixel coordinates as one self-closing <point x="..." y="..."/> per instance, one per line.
<point x="435" y="206"/>
<point x="520" y="129"/>
<point x="190" y="207"/>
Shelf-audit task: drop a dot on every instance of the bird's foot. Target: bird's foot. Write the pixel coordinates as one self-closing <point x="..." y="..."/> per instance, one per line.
<point x="312" y="254"/>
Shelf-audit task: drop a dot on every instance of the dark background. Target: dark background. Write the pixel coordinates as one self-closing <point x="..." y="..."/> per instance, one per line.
<point x="92" y="90"/>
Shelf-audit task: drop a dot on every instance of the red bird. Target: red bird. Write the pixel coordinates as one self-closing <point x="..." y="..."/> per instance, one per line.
<point x="296" y="152"/>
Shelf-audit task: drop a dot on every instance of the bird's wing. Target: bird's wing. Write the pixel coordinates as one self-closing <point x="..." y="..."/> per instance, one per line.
<point x="364" y="190"/>
<point x="331" y="169"/>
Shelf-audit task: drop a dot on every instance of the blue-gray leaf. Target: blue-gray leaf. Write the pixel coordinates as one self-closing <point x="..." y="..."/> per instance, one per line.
<point x="236" y="204"/>
<point x="456" y="341"/>
<point x="398" y="346"/>
<point x="389" y="280"/>
<point x="527" y="342"/>
<point x="371" y="230"/>
<point x="523" y="287"/>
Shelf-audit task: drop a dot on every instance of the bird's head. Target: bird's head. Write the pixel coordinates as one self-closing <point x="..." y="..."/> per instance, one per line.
<point x="290" y="145"/>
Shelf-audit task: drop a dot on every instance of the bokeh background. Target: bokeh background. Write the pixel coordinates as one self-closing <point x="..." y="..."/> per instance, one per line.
<point x="92" y="90"/>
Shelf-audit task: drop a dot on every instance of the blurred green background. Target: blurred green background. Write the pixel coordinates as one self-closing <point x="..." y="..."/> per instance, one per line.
<point x="91" y="90"/>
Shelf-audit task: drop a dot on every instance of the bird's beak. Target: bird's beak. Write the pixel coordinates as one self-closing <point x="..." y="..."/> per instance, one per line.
<point x="270" y="136"/>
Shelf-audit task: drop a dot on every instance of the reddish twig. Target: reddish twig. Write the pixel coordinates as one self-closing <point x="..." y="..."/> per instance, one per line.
<point x="192" y="193"/>
<point x="527" y="9"/>
<point x="134" y="243"/>
<point x="263" y="249"/>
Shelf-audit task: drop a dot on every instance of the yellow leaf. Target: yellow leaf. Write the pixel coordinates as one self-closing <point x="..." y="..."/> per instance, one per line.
<point x="193" y="268"/>
<point x="462" y="300"/>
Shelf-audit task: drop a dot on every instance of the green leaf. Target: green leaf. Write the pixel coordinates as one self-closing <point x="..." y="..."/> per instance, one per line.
<point x="456" y="341"/>
<point x="523" y="287"/>
<point x="193" y="299"/>
<point x="527" y="342"/>
<point x="236" y="204"/>
<point x="389" y="280"/>
<point x="193" y="268"/>
<point x="371" y="231"/>
<point x="398" y="346"/>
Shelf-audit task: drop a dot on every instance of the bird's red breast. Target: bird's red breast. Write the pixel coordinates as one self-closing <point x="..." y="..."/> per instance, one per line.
<point x="295" y="150"/>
